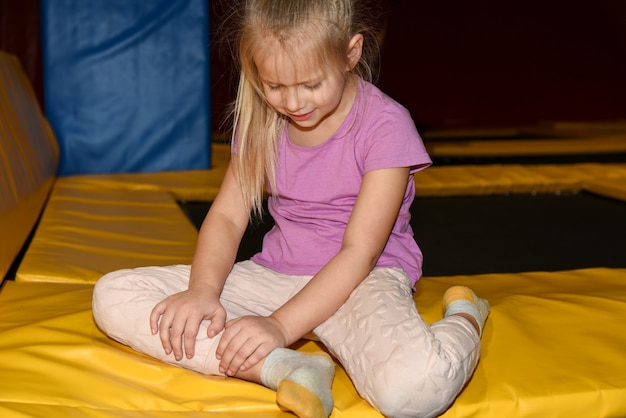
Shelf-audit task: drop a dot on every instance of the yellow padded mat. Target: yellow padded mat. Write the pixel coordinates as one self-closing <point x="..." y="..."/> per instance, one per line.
<point x="595" y="144"/>
<point x="502" y="179"/>
<point x="87" y="231"/>
<point x="609" y="187"/>
<point x="55" y="362"/>
<point x="190" y="185"/>
<point x="548" y="138"/>
<point x="553" y="346"/>
<point x="28" y="159"/>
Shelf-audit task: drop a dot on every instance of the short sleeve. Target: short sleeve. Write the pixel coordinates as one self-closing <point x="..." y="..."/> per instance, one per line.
<point x="389" y="137"/>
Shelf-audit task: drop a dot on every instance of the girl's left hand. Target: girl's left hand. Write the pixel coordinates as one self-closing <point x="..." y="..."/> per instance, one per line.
<point x="247" y="340"/>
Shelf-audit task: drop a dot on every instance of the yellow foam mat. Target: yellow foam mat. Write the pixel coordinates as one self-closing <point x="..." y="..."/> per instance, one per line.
<point x="553" y="346"/>
<point x="28" y="159"/>
<point x="191" y="185"/>
<point x="502" y="179"/>
<point x="55" y="362"/>
<point x="548" y="138"/>
<point x="597" y="144"/>
<point x="609" y="187"/>
<point x="88" y="231"/>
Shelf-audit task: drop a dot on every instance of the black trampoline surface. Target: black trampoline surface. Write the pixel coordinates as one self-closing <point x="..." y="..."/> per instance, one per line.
<point x="496" y="234"/>
<point x="500" y="234"/>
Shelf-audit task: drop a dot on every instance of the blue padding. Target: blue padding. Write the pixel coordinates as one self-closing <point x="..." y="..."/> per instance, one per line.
<point x="126" y="84"/>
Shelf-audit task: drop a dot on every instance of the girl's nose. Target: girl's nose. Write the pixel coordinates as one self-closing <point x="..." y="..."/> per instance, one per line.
<point x="292" y="99"/>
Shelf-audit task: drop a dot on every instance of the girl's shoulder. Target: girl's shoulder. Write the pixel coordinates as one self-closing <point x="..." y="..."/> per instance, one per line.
<point x="376" y="107"/>
<point x="374" y="100"/>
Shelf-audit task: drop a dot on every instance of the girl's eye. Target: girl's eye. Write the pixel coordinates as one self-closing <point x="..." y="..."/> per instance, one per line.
<point x="273" y="88"/>
<point x="313" y="86"/>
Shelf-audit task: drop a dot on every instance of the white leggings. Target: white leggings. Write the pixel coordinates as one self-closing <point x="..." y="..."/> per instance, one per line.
<point x="400" y="365"/>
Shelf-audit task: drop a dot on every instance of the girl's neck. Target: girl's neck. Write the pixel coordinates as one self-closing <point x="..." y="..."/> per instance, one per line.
<point x="328" y="126"/>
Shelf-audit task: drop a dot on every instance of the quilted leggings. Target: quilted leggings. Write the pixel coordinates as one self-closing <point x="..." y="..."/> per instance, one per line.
<point x="400" y="365"/>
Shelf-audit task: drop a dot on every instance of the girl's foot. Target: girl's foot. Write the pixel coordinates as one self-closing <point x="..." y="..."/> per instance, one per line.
<point x="461" y="300"/>
<point x="302" y="381"/>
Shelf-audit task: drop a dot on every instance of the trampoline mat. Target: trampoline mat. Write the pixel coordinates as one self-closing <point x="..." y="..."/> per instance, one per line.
<point x="500" y="234"/>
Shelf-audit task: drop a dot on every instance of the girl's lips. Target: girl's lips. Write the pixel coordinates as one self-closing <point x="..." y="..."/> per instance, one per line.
<point x="301" y="118"/>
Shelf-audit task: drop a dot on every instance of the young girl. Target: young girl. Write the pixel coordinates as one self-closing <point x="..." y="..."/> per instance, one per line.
<point x="337" y="158"/>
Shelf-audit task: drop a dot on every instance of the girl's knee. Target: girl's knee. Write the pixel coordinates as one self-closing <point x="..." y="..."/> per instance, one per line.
<point x="414" y="394"/>
<point x="118" y="299"/>
<point x="391" y="400"/>
<point x="103" y="299"/>
<point x="122" y="300"/>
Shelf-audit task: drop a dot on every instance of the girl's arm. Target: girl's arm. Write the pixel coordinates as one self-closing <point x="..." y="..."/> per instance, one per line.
<point x="220" y="234"/>
<point x="366" y="235"/>
<point x="177" y="318"/>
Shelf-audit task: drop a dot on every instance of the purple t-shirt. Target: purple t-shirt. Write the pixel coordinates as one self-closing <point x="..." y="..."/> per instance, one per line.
<point x="318" y="186"/>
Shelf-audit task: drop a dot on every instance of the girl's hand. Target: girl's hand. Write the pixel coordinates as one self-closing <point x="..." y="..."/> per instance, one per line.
<point x="247" y="340"/>
<point x="177" y="320"/>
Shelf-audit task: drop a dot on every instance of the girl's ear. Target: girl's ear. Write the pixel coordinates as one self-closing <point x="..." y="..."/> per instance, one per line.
<point x="355" y="49"/>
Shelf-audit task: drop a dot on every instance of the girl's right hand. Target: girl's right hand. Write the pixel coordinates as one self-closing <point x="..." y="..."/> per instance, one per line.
<point x="177" y="320"/>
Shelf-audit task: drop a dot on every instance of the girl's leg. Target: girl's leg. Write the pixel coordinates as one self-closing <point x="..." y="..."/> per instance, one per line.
<point x="399" y="364"/>
<point x="302" y="380"/>
<point x="123" y="300"/>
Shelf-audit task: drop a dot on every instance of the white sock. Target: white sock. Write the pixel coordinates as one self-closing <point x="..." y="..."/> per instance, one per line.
<point x="302" y="381"/>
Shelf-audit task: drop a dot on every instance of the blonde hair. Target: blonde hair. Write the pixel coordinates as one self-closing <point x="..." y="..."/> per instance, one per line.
<point x="330" y="24"/>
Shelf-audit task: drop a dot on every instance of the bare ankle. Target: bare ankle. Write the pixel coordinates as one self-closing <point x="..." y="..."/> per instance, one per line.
<point x="471" y="319"/>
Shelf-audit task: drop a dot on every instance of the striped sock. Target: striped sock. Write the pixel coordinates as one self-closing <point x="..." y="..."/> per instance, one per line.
<point x="461" y="299"/>
<point x="302" y="381"/>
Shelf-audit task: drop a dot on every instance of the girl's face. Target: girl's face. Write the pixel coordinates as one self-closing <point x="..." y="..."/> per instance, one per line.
<point x="312" y="97"/>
